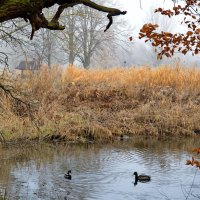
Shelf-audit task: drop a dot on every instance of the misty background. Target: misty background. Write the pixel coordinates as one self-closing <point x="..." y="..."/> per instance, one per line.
<point x="83" y="42"/>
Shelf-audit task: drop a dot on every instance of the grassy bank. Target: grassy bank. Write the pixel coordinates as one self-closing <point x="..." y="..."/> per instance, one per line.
<point x="79" y="105"/>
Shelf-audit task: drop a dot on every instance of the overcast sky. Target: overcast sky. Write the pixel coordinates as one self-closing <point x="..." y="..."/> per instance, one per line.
<point x="137" y="15"/>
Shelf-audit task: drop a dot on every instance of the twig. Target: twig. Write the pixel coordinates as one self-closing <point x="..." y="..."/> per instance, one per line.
<point x="191" y="185"/>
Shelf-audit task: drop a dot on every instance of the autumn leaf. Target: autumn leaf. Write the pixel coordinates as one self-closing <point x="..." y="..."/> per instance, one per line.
<point x="189" y="33"/>
<point x="197" y="31"/>
<point x="130" y="38"/>
<point x="178" y="42"/>
<point x="196" y="150"/>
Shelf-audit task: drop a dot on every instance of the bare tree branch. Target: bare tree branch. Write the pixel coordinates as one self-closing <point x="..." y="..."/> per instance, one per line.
<point x="32" y="11"/>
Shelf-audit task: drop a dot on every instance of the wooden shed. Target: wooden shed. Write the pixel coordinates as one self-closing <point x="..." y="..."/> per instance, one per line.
<point x="27" y="67"/>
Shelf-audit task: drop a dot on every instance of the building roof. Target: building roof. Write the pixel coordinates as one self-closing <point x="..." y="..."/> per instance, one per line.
<point x="27" y="65"/>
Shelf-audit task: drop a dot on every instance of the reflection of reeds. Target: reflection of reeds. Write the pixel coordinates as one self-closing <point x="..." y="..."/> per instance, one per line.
<point x="4" y="195"/>
<point x="80" y="105"/>
<point x="2" y="139"/>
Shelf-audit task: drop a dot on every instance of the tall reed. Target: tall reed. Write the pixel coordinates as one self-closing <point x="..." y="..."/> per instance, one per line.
<point x="80" y="105"/>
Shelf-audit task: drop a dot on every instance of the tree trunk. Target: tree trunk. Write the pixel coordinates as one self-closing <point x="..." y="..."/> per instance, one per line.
<point x="49" y="49"/>
<point x="86" y="62"/>
<point x="71" y="47"/>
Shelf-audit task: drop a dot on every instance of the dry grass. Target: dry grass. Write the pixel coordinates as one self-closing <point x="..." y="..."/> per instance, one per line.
<point x="80" y="105"/>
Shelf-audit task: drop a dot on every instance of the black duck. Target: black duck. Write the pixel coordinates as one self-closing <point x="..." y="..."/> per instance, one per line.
<point x="68" y="175"/>
<point x="141" y="178"/>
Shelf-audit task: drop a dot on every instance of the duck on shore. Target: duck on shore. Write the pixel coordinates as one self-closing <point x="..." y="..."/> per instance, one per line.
<point x="141" y="178"/>
<point x="68" y="175"/>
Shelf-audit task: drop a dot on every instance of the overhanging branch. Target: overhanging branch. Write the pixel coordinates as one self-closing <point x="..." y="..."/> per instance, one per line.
<point x="111" y="11"/>
<point x="32" y="11"/>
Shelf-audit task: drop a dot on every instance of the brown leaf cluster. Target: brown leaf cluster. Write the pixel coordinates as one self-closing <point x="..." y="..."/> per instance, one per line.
<point x="167" y="43"/>
<point x="197" y="150"/>
<point x="194" y="162"/>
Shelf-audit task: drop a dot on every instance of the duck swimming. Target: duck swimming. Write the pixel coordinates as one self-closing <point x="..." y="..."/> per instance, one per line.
<point x="68" y="175"/>
<point x="141" y="178"/>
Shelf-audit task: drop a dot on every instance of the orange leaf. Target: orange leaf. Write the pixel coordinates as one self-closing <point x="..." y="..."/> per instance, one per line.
<point x="189" y="33"/>
<point x="196" y="150"/>
<point x="197" y="31"/>
<point x="188" y="162"/>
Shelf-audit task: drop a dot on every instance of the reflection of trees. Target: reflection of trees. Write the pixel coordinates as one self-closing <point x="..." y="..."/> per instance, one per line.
<point x="162" y="152"/>
<point x="38" y="171"/>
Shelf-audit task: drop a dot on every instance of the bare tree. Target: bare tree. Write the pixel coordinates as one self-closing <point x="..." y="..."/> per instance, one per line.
<point x="68" y="39"/>
<point x="83" y="39"/>
<point x="43" y="49"/>
<point x="149" y="52"/>
<point x="167" y="25"/>
<point x="32" y="12"/>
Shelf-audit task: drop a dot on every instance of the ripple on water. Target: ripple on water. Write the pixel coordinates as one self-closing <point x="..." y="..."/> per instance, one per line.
<point x="102" y="173"/>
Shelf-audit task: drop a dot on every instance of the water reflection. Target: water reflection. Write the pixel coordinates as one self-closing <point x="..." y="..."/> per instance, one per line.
<point x="100" y="171"/>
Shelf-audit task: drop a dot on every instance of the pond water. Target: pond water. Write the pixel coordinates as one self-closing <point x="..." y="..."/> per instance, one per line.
<point x="101" y="171"/>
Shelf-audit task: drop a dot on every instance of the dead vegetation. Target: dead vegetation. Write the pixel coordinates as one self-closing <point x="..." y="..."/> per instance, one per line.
<point x="84" y="105"/>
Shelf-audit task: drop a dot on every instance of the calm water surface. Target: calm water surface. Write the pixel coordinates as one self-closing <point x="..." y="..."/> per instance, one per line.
<point x="101" y="172"/>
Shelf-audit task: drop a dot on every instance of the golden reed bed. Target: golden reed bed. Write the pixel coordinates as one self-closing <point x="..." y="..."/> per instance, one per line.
<point x="79" y="105"/>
